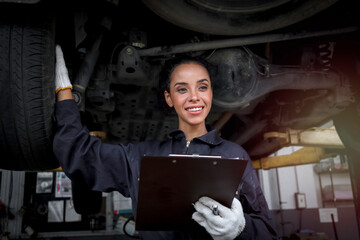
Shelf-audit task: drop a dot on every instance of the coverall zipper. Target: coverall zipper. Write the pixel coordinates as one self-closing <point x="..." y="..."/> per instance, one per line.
<point x="187" y="146"/>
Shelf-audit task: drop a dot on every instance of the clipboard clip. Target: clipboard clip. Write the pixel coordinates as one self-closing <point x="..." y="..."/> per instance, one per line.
<point x="194" y="155"/>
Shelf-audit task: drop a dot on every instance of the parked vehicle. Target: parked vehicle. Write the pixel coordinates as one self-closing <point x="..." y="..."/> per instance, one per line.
<point x="278" y="64"/>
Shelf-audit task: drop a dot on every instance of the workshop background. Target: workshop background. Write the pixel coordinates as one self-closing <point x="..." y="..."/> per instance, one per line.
<point x="290" y="65"/>
<point x="307" y="201"/>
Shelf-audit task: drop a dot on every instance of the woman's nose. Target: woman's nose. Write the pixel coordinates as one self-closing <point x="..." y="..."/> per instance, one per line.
<point x="194" y="96"/>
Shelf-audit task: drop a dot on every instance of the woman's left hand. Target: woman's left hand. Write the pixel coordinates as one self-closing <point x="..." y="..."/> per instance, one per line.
<point x="225" y="223"/>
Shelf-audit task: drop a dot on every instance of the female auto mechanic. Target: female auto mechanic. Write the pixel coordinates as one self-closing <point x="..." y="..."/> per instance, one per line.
<point x="106" y="167"/>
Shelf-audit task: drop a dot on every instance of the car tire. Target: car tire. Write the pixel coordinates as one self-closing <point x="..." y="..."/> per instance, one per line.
<point x="27" y="44"/>
<point x="235" y="17"/>
<point x="347" y="125"/>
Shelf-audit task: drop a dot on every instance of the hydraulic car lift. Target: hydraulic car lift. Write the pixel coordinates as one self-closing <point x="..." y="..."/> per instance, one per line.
<point x="316" y="142"/>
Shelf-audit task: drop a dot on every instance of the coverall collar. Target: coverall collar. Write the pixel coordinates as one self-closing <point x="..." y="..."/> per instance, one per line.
<point x="210" y="137"/>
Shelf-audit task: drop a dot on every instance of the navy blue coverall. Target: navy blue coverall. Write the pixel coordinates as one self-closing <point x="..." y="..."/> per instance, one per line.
<point x="110" y="167"/>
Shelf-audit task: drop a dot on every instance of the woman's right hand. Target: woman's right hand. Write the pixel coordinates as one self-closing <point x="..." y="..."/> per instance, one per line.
<point x="63" y="85"/>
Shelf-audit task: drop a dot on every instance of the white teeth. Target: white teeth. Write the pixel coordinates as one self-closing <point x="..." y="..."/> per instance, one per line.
<point x="194" y="109"/>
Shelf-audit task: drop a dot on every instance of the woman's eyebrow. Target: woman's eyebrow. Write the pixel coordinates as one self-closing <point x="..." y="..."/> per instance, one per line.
<point x="180" y="83"/>
<point x="185" y="83"/>
<point x="203" y="80"/>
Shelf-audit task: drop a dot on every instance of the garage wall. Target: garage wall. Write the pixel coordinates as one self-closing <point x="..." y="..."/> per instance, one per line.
<point x="279" y="187"/>
<point x="281" y="184"/>
<point x="287" y="222"/>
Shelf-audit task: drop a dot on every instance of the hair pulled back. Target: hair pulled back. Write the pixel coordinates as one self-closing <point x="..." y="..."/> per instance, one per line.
<point x="167" y="70"/>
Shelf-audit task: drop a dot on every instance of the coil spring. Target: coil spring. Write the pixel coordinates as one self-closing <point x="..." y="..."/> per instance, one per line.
<point x="325" y="54"/>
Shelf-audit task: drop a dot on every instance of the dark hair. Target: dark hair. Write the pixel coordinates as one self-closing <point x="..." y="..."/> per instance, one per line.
<point x="171" y="64"/>
<point x="168" y="68"/>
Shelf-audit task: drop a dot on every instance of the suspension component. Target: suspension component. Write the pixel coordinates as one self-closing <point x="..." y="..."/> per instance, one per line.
<point x="325" y="55"/>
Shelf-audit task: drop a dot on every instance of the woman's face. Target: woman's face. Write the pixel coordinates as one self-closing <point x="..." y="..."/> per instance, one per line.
<point x="190" y="93"/>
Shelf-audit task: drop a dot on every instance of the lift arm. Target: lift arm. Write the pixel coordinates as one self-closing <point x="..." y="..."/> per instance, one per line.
<point x="314" y="140"/>
<point x="305" y="155"/>
<point x="314" y="137"/>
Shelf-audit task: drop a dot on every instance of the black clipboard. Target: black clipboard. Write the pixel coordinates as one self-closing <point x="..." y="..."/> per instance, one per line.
<point x="170" y="185"/>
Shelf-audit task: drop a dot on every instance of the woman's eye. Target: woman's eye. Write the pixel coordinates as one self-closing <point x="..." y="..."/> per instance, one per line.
<point x="203" y="88"/>
<point x="181" y="90"/>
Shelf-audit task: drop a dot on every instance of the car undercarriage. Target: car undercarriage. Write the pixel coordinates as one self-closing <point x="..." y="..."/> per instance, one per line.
<point x="275" y="67"/>
<point x="288" y="78"/>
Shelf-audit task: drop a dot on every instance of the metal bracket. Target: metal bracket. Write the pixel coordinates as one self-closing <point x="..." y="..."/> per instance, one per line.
<point x="314" y="137"/>
<point x="130" y="68"/>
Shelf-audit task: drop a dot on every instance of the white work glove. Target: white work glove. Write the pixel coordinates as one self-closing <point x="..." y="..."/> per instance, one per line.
<point x="62" y="80"/>
<point x="227" y="225"/>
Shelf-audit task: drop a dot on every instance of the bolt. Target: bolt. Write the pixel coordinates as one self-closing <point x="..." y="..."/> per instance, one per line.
<point x="129" y="51"/>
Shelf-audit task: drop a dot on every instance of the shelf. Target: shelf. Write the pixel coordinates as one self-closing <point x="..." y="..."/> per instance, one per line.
<point x="334" y="171"/>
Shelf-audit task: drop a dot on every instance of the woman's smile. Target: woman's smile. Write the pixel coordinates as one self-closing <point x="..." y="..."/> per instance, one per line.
<point x="194" y="110"/>
<point x="190" y="94"/>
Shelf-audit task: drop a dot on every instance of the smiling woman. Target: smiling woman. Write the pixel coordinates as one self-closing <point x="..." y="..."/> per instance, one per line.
<point x="186" y="85"/>
<point x="190" y="94"/>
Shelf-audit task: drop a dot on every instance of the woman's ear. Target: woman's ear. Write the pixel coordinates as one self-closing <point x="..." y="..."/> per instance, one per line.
<point x="168" y="99"/>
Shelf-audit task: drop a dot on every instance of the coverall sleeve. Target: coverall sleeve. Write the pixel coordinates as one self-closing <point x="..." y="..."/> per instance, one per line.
<point x="257" y="215"/>
<point x="104" y="167"/>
